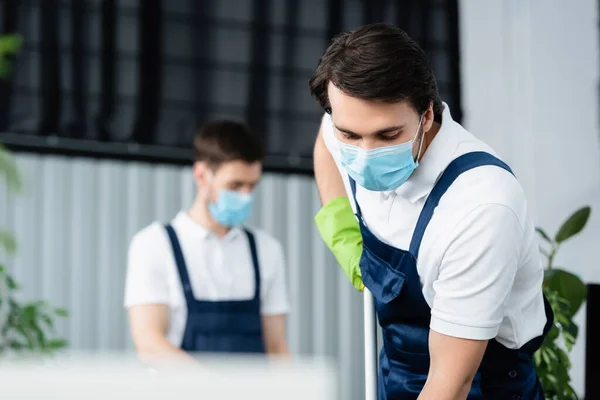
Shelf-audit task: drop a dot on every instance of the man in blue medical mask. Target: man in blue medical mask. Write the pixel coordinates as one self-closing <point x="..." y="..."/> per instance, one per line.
<point x="442" y="238"/>
<point x="205" y="282"/>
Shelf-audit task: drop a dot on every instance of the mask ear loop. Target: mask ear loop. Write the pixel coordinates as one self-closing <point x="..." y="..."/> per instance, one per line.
<point x="422" y="139"/>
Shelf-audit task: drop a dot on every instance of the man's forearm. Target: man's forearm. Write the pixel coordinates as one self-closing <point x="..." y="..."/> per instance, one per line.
<point x="445" y="389"/>
<point x="336" y="222"/>
<point x="454" y="363"/>
<point x="327" y="175"/>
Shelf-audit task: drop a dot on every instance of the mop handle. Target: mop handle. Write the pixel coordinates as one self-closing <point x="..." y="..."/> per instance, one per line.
<point x="370" y="346"/>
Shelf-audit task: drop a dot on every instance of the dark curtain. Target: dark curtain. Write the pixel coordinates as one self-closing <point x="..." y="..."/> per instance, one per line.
<point x="133" y="79"/>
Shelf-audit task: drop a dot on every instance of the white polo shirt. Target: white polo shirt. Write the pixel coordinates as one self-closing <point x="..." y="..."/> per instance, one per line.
<point x="218" y="269"/>
<point x="479" y="260"/>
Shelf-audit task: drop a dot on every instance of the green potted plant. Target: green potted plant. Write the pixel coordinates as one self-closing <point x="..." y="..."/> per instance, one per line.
<point x="10" y="44"/>
<point x="566" y="293"/>
<point x="24" y="326"/>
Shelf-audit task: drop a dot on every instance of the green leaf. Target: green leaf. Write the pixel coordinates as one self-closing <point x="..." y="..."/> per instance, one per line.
<point x="61" y="312"/>
<point x="21" y="330"/>
<point x="11" y="283"/>
<point x="543" y="235"/>
<point x="39" y="334"/>
<point x="552" y="379"/>
<point x="17" y="346"/>
<point x="29" y="312"/>
<point x="562" y="319"/>
<point x="570" y="392"/>
<point x="56" y="344"/>
<point x="8" y="167"/>
<point x="568" y="287"/>
<point x="546" y="357"/>
<point x="572" y="329"/>
<point x="553" y="334"/>
<point x="573" y="225"/>
<point x="47" y="320"/>
<point x="569" y="342"/>
<point x="15" y="307"/>
<point x="39" y="306"/>
<point x="569" y="333"/>
<point x="548" y="273"/>
<point x="9" y="44"/>
<point x="8" y="242"/>
<point x="537" y="358"/>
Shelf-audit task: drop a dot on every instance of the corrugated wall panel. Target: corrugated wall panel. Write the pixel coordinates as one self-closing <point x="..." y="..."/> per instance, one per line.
<point x="75" y="217"/>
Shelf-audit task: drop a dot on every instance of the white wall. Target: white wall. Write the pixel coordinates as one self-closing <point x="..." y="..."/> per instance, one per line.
<point x="530" y="87"/>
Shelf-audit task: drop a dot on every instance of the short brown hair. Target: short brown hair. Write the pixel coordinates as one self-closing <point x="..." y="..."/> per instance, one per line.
<point x="377" y="62"/>
<point x="222" y="141"/>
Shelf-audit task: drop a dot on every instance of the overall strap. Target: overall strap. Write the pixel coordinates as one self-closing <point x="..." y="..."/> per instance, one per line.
<point x="181" y="267"/>
<point x="255" y="264"/>
<point x="353" y="187"/>
<point x="461" y="164"/>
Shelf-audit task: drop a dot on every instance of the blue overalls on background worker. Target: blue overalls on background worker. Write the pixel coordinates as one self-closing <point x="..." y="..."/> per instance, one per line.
<point x="448" y="248"/>
<point x="205" y="283"/>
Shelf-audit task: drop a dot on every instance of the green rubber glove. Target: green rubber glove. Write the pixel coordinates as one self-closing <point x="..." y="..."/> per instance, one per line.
<point x="341" y="233"/>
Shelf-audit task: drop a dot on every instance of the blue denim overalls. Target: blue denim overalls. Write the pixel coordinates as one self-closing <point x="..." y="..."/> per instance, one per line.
<point x="233" y="326"/>
<point x="391" y="276"/>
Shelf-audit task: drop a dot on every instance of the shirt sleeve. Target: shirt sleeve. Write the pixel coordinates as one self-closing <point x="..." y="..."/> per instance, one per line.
<point x="477" y="273"/>
<point x="329" y="138"/>
<point x="332" y="145"/>
<point x="274" y="295"/>
<point x="146" y="281"/>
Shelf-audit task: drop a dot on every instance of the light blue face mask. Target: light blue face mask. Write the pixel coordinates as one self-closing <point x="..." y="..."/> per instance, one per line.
<point x="381" y="169"/>
<point x="231" y="208"/>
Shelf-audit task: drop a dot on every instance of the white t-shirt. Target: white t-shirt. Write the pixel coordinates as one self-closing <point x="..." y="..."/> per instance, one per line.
<point x="218" y="269"/>
<point x="479" y="260"/>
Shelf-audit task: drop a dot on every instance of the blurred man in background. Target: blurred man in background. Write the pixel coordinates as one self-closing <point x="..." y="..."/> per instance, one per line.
<point x="205" y="283"/>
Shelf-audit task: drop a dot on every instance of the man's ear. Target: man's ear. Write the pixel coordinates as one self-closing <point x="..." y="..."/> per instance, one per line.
<point x="201" y="171"/>
<point x="428" y="118"/>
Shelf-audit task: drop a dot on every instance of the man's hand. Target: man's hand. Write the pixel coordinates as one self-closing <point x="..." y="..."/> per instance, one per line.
<point x="149" y="324"/>
<point x="454" y="363"/>
<point x="340" y="231"/>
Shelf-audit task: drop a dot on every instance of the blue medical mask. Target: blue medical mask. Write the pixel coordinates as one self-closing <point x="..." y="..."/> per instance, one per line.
<point x="231" y="208"/>
<point x="381" y="169"/>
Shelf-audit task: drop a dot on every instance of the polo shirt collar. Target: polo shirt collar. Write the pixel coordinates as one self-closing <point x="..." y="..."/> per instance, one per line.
<point x="438" y="155"/>
<point x="200" y="232"/>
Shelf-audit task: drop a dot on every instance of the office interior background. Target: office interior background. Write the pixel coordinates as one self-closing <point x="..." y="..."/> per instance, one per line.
<point x="104" y="98"/>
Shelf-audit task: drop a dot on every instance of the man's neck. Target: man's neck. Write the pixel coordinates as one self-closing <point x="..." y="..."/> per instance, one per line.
<point x="200" y="215"/>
